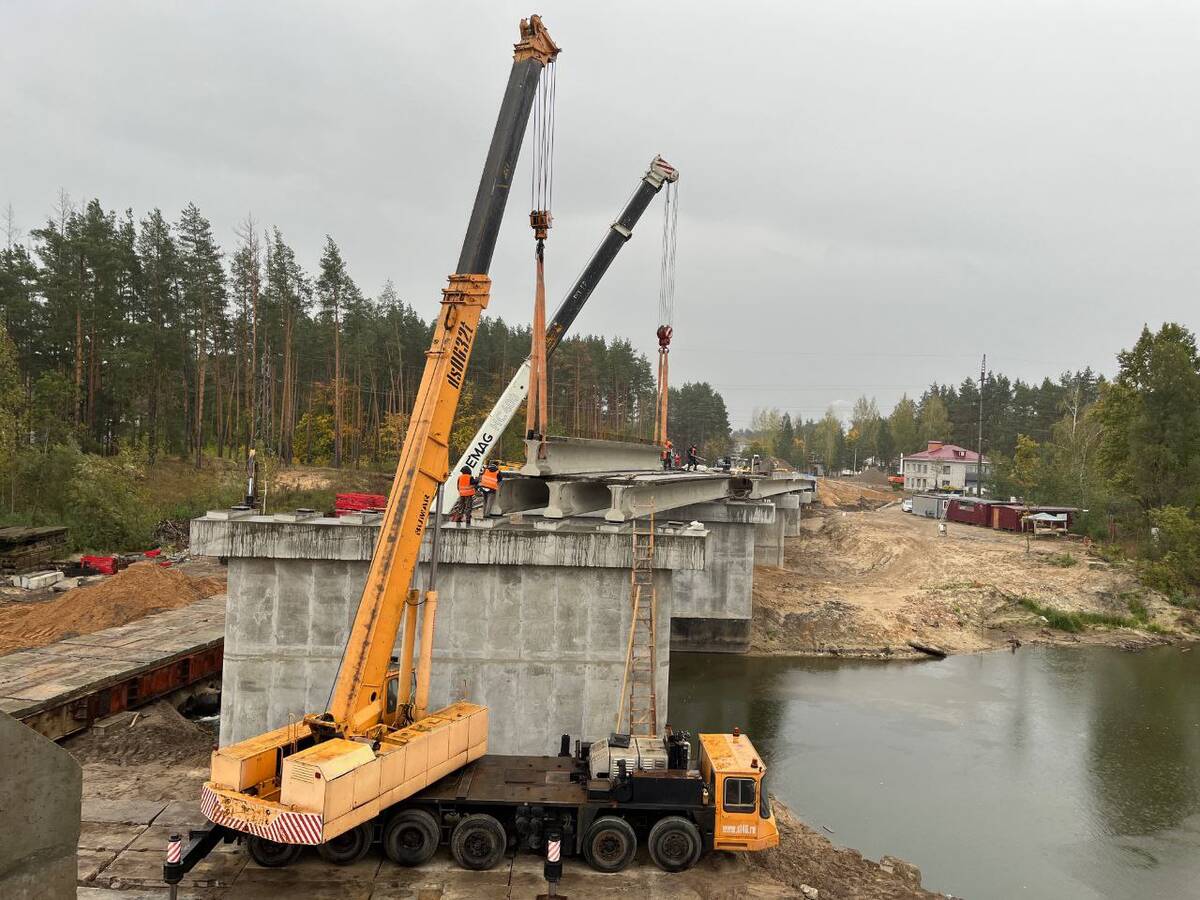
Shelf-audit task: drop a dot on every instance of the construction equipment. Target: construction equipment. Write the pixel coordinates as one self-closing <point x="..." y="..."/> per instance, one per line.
<point x="481" y="446"/>
<point x="377" y="766"/>
<point x="666" y="311"/>
<point x="324" y="780"/>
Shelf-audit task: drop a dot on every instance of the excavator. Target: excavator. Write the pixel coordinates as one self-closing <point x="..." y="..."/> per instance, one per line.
<point x="484" y="442"/>
<point x="378" y="765"/>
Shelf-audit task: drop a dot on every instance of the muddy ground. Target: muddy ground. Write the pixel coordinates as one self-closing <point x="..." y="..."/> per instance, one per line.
<point x="865" y="582"/>
<point x="163" y="757"/>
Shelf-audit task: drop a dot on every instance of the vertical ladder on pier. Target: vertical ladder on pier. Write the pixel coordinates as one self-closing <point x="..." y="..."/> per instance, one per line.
<point x="641" y="701"/>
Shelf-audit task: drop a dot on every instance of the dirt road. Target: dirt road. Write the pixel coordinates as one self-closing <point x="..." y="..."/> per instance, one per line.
<point x="864" y="583"/>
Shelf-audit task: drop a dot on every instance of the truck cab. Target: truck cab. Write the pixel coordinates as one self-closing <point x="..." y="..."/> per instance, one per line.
<point x="734" y="773"/>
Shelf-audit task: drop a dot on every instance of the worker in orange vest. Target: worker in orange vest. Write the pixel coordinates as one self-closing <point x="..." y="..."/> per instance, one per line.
<point x="466" y="496"/>
<point x="489" y="483"/>
<point x="668" y="456"/>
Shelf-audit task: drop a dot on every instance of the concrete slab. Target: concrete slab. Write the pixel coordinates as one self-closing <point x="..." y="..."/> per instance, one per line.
<point x="186" y="892"/>
<point x="35" y="581"/>
<point x="144" y="868"/>
<point x="311" y="868"/>
<point x="154" y="839"/>
<point x="107" y="836"/>
<point x="128" y="812"/>
<point x="269" y="890"/>
<point x="181" y="814"/>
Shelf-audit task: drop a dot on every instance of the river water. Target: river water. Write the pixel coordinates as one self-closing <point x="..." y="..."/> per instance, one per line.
<point x="1051" y="772"/>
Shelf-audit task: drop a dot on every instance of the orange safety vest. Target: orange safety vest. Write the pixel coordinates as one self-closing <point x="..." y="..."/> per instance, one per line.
<point x="465" y="488"/>
<point x="489" y="480"/>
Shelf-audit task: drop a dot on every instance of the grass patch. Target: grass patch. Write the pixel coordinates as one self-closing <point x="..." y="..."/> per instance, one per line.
<point x="1183" y="601"/>
<point x="1137" y="609"/>
<point x="1061" y="560"/>
<point x="1075" y="622"/>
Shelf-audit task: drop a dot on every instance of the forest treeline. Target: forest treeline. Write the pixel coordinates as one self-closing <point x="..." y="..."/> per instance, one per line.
<point x="146" y="333"/>
<point x="128" y="342"/>
<point x="1126" y="450"/>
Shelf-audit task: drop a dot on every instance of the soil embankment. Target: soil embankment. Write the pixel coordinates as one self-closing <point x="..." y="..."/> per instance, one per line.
<point x="133" y="593"/>
<point x="866" y="583"/>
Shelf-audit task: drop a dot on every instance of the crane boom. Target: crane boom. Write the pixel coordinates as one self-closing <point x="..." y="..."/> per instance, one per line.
<point x="357" y="700"/>
<point x="476" y="454"/>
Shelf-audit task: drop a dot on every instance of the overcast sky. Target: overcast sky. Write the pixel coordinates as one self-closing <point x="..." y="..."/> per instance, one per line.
<point x="872" y="193"/>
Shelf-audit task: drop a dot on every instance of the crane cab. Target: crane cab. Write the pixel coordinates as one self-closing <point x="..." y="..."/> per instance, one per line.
<point x="734" y="774"/>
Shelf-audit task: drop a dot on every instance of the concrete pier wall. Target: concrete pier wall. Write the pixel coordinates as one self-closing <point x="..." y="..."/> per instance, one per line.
<point x="40" y="790"/>
<point x="531" y="622"/>
<point x="769" y="542"/>
<point x="713" y="606"/>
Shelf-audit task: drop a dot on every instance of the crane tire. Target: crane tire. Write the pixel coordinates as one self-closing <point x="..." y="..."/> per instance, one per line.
<point x="411" y="837"/>
<point x="271" y="854"/>
<point x="610" y="844"/>
<point x="674" y="844"/>
<point x="478" y="842"/>
<point x="348" y="847"/>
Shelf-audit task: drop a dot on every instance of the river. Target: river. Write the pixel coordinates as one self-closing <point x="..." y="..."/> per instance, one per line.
<point x="1052" y="772"/>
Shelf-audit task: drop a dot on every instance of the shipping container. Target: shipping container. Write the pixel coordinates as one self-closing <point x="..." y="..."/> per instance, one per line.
<point x="931" y="506"/>
<point x="970" y="512"/>
<point x="1007" y="516"/>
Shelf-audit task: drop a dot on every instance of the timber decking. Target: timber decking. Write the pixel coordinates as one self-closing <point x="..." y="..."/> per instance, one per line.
<point x="63" y="687"/>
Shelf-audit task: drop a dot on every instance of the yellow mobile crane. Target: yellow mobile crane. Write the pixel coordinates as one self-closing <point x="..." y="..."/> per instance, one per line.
<point x="377" y="765"/>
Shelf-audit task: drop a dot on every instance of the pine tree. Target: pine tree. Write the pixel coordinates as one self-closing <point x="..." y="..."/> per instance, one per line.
<point x="202" y="278"/>
<point x="334" y="290"/>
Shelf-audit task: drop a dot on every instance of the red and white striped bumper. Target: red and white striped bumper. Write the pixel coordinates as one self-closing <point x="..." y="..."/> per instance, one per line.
<point x="260" y="817"/>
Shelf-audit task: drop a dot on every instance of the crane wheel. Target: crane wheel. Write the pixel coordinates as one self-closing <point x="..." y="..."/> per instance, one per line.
<point x="347" y="848"/>
<point x="674" y="844"/>
<point x="610" y="844"/>
<point x="271" y="854"/>
<point x="411" y="837"/>
<point x="478" y="842"/>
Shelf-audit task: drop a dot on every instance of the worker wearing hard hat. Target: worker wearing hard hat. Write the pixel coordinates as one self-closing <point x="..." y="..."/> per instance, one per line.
<point x="489" y="484"/>
<point x="668" y="455"/>
<point x="466" y="496"/>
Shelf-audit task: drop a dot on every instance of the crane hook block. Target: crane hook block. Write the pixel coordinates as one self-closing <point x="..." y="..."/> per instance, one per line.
<point x="664" y="336"/>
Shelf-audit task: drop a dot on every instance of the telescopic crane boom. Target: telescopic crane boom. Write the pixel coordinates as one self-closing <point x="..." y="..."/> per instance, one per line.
<point x="476" y="455"/>
<point x="311" y="782"/>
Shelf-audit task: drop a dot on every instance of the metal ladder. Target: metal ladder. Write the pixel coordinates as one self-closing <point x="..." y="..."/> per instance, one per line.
<point x="641" y="702"/>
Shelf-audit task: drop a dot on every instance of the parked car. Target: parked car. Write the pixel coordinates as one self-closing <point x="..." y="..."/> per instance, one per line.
<point x="906" y="506"/>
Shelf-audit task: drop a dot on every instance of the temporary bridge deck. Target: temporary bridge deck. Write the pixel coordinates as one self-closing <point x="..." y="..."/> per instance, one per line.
<point x="61" y="688"/>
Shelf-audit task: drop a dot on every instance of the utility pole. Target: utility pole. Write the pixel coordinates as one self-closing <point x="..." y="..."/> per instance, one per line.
<point x="979" y="462"/>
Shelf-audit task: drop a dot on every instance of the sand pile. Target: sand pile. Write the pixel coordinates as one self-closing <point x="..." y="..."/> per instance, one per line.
<point x="833" y="493"/>
<point x="159" y="732"/>
<point x="140" y="590"/>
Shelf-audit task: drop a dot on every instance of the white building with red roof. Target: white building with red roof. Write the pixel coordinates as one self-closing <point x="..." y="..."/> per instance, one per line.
<point x="943" y="467"/>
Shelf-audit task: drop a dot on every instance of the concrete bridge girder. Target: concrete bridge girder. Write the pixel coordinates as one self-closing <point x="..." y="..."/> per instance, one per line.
<point x="580" y="456"/>
<point x="641" y="498"/>
<point x="520" y="495"/>
<point x="574" y="498"/>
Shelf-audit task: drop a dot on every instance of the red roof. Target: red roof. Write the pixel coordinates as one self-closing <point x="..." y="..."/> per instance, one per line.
<point x="947" y="453"/>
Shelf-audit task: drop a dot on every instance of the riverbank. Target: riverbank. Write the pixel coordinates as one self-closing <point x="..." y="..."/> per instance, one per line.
<point x="866" y="583"/>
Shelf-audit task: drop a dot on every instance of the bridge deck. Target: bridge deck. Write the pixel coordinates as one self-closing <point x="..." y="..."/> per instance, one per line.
<point x="63" y="687"/>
